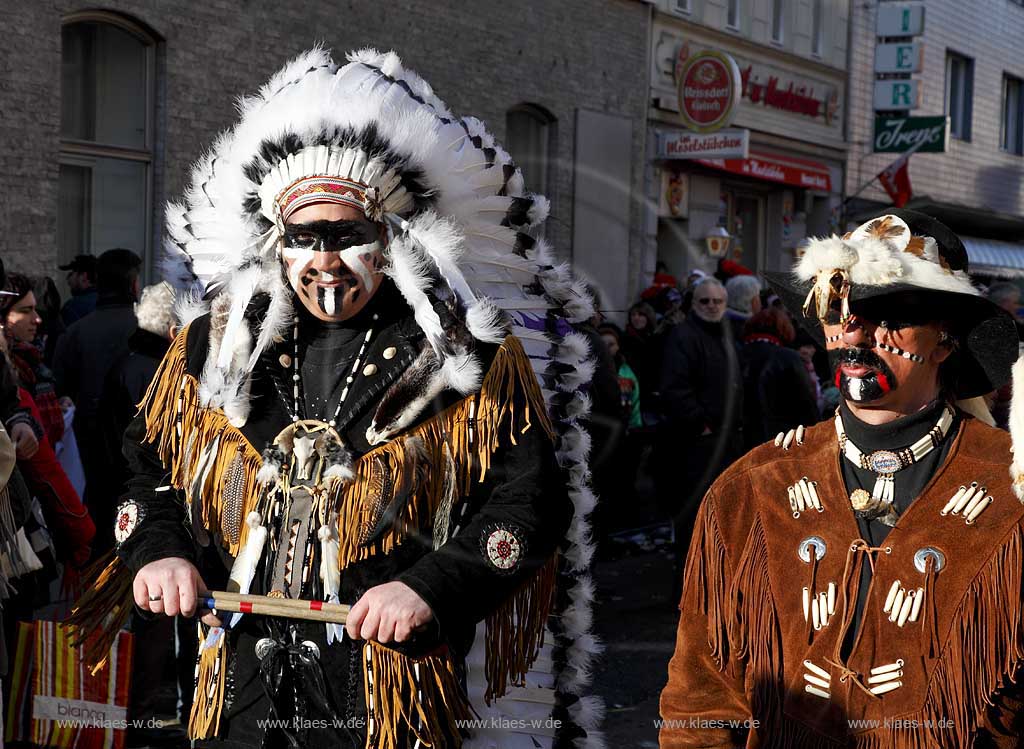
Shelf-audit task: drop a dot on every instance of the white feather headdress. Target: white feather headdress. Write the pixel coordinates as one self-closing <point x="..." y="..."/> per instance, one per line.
<point x="458" y="217"/>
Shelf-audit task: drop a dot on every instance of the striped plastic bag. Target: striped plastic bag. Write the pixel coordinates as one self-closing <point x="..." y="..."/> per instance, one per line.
<point x="56" y="702"/>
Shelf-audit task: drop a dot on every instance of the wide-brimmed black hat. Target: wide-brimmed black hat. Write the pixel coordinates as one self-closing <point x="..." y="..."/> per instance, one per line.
<point x="905" y="266"/>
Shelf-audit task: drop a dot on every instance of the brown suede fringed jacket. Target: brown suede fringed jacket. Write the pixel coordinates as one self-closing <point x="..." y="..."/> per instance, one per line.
<point x="770" y="590"/>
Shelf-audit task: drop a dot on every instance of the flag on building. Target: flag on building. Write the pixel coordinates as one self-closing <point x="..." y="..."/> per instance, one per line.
<point x="895" y="178"/>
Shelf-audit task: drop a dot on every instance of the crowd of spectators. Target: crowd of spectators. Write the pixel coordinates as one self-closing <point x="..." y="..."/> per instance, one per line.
<point x="70" y="379"/>
<point x="707" y="368"/>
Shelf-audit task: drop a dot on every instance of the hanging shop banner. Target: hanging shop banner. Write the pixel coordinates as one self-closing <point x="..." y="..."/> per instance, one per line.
<point x="900" y="134"/>
<point x="682" y="144"/>
<point x="811" y="175"/>
<point x="709" y="91"/>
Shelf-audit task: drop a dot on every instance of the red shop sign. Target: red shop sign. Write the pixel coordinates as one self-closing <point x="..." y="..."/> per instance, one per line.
<point x="709" y="91"/>
<point x="786" y="170"/>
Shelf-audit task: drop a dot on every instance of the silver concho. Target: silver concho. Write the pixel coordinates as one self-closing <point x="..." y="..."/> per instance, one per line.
<point x="921" y="559"/>
<point x="804" y="550"/>
<point x="263" y="647"/>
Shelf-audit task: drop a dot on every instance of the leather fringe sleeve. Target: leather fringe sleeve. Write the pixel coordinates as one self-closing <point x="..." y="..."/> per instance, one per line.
<point x="508" y="404"/>
<point x="987" y="631"/>
<point x="102" y="611"/>
<point x="515" y="632"/>
<point x="205" y="454"/>
<point x="420" y="697"/>
<point x="754" y="634"/>
<point x="706" y="572"/>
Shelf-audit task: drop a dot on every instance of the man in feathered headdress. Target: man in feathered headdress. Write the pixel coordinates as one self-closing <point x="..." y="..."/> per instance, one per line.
<point x="364" y="409"/>
<point x="858" y="583"/>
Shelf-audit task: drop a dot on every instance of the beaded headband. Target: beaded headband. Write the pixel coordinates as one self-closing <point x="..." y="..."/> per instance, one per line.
<point x="325" y="189"/>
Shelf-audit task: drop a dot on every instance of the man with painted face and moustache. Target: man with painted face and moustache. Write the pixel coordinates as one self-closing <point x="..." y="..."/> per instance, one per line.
<point x="859" y="583"/>
<point x="347" y="419"/>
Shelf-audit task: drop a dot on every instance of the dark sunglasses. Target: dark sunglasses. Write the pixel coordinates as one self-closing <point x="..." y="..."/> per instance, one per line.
<point x="709" y="300"/>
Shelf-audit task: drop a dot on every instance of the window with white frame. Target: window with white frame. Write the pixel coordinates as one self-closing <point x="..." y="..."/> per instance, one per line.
<point x="817" y="23"/>
<point x="681" y="6"/>
<point x="778" y="26"/>
<point x="108" y="71"/>
<point x="959" y="94"/>
<point x="1013" y="115"/>
<point x="732" y="16"/>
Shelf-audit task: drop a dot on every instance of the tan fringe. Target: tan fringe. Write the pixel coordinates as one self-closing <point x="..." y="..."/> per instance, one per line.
<point x="509" y="403"/>
<point x="515" y="632"/>
<point x="180" y="428"/>
<point x="208" y="699"/>
<point x="102" y="611"/>
<point x="982" y="649"/>
<point x="174" y="418"/>
<point x="979" y="654"/>
<point x="753" y="630"/>
<point x="509" y="381"/>
<point x="421" y="697"/>
<point x="705" y="573"/>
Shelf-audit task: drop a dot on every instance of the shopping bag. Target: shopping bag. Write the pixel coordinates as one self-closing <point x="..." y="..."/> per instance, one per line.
<point x="56" y="702"/>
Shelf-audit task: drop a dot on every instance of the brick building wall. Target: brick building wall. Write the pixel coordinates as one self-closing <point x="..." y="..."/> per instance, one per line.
<point x="482" y="58"/>
<point x="976" y="173"/>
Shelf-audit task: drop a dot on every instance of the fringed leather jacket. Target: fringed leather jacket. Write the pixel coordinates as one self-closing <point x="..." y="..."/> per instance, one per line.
<point x="466" y="507"/>
<point x="769" y="598"/>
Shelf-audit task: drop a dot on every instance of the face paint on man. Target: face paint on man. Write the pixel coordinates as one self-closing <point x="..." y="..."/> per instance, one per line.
<point x="333" y="257"/>
<point x="861" y="375"/>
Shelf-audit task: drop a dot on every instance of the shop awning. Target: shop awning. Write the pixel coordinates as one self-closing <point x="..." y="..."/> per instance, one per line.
<point x="786" y="170"/>
<point x="995" y="257"/>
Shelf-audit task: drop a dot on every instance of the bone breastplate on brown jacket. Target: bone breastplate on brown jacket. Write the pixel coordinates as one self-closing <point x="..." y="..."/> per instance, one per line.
<point x="770" y="593"/>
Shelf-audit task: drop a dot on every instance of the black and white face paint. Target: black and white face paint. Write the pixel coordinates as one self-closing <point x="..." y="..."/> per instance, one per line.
<point x="333" y="266"/>
<point x="861" y="375"/>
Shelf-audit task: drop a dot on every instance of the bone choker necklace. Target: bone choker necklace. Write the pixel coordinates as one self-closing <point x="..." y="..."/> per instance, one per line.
<point x="886" y="463"/>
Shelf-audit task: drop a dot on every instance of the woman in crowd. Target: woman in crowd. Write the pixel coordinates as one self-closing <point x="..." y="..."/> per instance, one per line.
<point x="778" y="392"/>
<point x="66" y="516"/>
<point x="641" y="345"/>
<point x="629" y="385"/>
<point x="21" y="324"/>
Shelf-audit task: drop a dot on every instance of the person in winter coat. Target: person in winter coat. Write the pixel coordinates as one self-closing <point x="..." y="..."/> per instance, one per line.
<point x="778" y="392"/>
<point x="124" y="388"/>
<point x="744" y="302"/>
<point x="641" y="345"/>
<point x="702" y="393"/>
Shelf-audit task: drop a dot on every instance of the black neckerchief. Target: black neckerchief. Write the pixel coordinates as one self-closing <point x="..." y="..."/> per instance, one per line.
<point x="894" y="435"/>
<point x="327" y="350"/>
<point x="908" y="484"/>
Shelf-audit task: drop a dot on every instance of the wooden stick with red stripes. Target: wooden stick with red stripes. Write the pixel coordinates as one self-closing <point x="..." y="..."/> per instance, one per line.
<point x="289" y="608"/>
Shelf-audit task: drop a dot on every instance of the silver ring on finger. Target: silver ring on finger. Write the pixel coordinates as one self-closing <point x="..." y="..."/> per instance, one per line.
<point x="155" y="598"/>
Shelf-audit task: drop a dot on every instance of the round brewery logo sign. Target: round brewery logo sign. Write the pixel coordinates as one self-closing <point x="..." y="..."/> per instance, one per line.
<point x="709" y="91"/>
